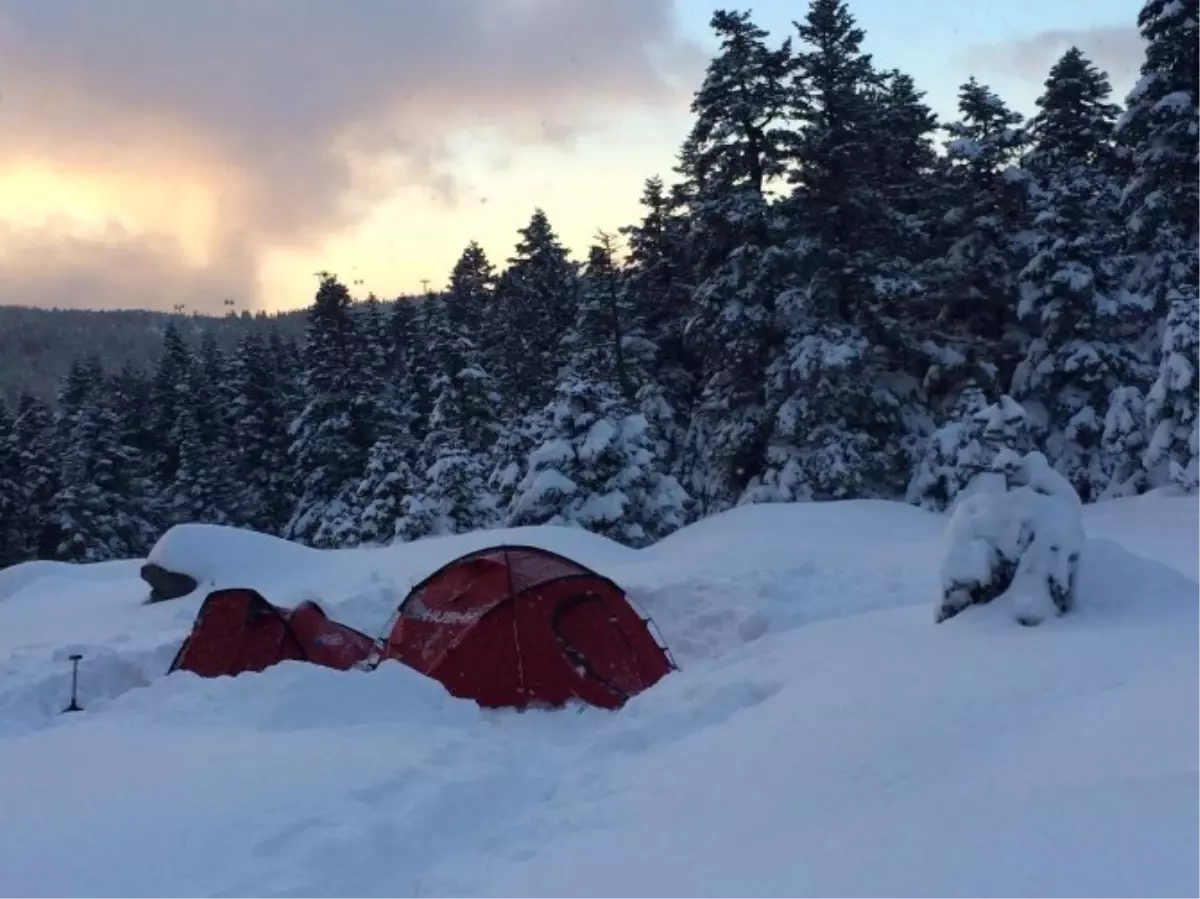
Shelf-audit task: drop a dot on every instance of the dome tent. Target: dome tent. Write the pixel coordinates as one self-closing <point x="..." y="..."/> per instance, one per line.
<point x="520" y="626"/>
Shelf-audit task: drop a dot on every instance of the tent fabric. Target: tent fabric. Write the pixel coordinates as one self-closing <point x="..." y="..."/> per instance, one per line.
<point x="519" y="626"/>
<point x="237" y="630"/>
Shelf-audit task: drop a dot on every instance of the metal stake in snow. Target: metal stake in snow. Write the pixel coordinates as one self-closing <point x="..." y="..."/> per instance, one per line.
<point x="74" y="706"/>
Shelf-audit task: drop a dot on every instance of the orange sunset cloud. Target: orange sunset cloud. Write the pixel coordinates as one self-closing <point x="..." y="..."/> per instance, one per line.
<point x="164" y="154"/>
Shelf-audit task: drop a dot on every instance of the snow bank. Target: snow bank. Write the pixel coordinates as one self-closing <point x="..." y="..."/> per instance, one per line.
<point x="816" y="712"/>
<point x="219" y="556"/>
<point x="21" y="576"/>
<point x="1021" y="541"/>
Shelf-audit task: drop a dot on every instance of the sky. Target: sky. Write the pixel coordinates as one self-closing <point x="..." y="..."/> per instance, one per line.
<point x="216" y="154"/>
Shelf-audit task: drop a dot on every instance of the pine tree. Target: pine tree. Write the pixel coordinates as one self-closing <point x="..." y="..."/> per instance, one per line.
<point x="1158" y="139"/>
<point x="835" y="388"/>
<point x="389" y="496"/>
<point x="658" y="289"/>
<point x="735" y="151"/>
<point x="830" y="432"/>
<point x="1075" y="121"/>
<point x="470" y="294"/>
<point x="966" y="446"/>
<point x="330" y="439"/>
<point x="259" y="463"/>
<point x="1124" y="440"/>
<point x="406" y="394"/>
<point x="597" y="342"/>
<point x="907" y="196"/>
<point x="374" y="348"/>
<point x="595" y="469"/>
<point x="834" y="202"/>
<point x="287" y="370"/>
<point x="538" y="291"/>
<point x="130" y="393"/>
<point x="1158" y="135"/>
<point x="462" y="429"/>
<point x="463" y="423"/>
<point x="975" y="278"/>
<point x="168" y="397"/>
<point x="1083" y="326"/>
<point x="90" y="509"/>
<point x="13" y="522"/>
<point x="197" y="494"/>
<point x="38" y="450"/>
<point x="1173" y="453"/>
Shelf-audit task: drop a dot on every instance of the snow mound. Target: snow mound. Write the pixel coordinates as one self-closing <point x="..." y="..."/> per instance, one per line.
<point x="1021" y="542"/>
<point x="20" y="577"/>
<point x="219" y="556"/>
<point x="817" y="711"/>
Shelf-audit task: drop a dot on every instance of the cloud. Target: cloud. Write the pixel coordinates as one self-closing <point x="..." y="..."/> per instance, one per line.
<point x="44" y="267"/>
<point x="292" y="116"/>
<point x="1116" y="49"/>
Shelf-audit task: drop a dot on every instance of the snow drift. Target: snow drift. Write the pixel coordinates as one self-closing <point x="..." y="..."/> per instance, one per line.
<point x="823" y="736"/>
<point x="1020" y="538"/>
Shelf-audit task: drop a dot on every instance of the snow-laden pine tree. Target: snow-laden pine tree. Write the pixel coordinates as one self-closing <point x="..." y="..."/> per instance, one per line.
<point x="836" y="207"/>
<point x="599" y="342"/>
<point x="258" y="463"/>
<point x="331" y="438"/>
<point x="538" y="293"/>
<point x="374" y="342"/>
<point x="837" y="389"/>
<point x="1083" y="326"/>
<point x="91" y="509"/>
<point x="597" y="461"/>
<point x="168" y="397"/>
<point x="471" y="294"/>
<point x="1173" y="451"/>
<point x="205" y="488"/>
<point x="211" y="376"/>
<point x="657" y="287"/>
<point x="405" y="383"/>
<point x="974" y="278"/>
<point x="966" y="446"/>
<point x="130" y="392"/>
<point x="524" y="357"/>
<point x="463" y="427"/>
<point x="386" y="362"/>
<point x="199" y="491"/>
<point x="13" y="521"/>
<point x="735" y="151"/>
<point x="287" y="369"/>
<point x="390" y="495"/>
<point x="1124" y="440"/>
<point x="595" y="468"/>
<point x="38" y="451"/>
<point x="1159" y="135"/>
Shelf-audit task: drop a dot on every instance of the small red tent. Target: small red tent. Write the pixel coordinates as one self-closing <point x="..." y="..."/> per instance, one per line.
<point x="237" y="630"/>
<point x="517" y="626"/>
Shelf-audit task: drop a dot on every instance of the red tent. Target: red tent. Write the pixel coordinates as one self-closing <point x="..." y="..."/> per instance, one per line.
<point x="237" y="630"/>
<point x="517" y="626"/>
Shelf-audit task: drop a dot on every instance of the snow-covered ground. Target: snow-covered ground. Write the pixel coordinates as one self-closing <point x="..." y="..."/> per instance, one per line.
<point x="823" y="736"/>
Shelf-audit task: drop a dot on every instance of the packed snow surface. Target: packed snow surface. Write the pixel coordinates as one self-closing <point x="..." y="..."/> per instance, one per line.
<point x="823" y="736"/>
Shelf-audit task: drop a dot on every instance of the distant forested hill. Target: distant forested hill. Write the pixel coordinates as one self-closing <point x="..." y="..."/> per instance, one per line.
<point x="38" y="345"/>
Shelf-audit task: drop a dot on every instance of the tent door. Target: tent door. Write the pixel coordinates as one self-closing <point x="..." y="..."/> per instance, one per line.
<point x="581" y="623"/>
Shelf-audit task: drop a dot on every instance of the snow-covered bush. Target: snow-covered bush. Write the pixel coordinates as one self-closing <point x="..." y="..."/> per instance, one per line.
<point x="1021" y="540"/>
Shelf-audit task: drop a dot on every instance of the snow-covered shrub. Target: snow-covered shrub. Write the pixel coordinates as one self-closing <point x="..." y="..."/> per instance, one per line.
<point x="1022" y="542"/>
